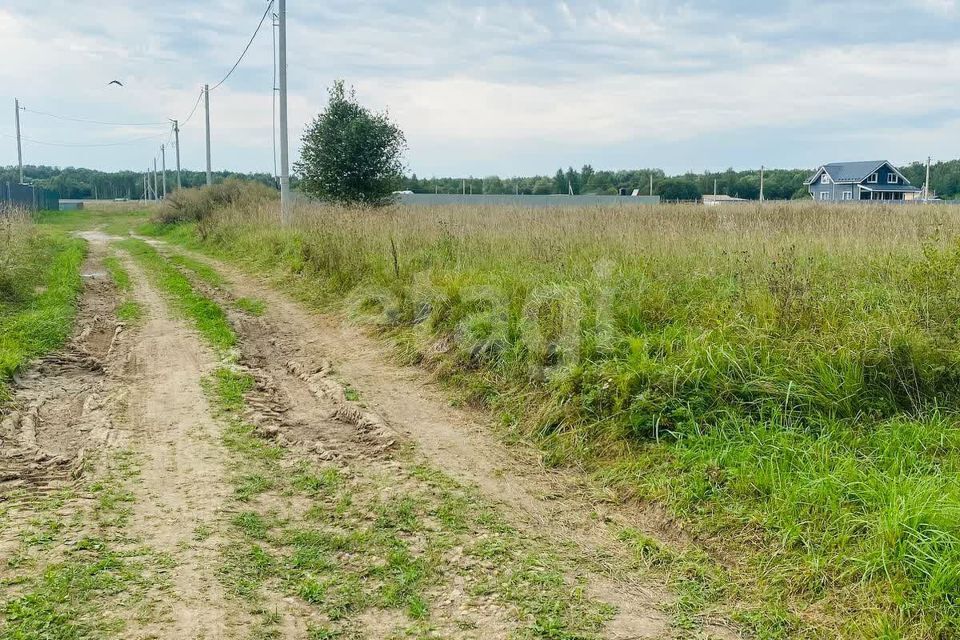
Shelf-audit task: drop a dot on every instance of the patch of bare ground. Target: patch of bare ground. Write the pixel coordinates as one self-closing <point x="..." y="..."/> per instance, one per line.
<point x="182" y="479"/>
<point x="70" y="568"/>
<point x="326" y="390"/>
<point x="62" y="405"/>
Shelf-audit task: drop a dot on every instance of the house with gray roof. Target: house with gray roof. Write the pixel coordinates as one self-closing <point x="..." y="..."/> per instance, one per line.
<point x="851" y="181"/>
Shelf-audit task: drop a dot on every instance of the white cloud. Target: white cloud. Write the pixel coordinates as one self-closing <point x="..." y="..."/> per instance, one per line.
<point x="479" y="78"/>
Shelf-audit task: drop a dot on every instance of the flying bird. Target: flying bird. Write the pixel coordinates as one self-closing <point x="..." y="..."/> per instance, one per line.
<point x="116" y="82"/>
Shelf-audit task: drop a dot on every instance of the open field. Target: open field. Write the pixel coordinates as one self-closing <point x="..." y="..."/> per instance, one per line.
<point x="661" y="422"/>
<point x="783" y="379"/>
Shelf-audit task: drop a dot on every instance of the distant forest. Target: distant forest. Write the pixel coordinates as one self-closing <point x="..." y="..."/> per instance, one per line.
<point x="779" y="184"/>
<point x="74" y="183"/>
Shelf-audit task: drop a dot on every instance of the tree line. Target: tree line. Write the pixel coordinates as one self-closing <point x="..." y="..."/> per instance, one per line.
<point x="78" y="183"/>
<point x="779" y="184"/>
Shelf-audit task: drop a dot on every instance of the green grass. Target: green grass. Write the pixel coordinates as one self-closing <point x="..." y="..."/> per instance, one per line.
<point x="251" y="306"/>
<point x="371" y="542"/>
<point x="785" y="379"/>
<point x="201" y="270"/>
<point x="79" y="578"/>
<point x="128" y="311"/>
<point x="119" y="275"/>
<point x="37" y="312"/>
<point x="208" y="317"/>
<point x="112" y="220"/>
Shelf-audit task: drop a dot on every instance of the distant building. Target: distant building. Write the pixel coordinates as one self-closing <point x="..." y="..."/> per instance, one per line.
<point x="716" y="201"/>
<point x="851" y="181"/>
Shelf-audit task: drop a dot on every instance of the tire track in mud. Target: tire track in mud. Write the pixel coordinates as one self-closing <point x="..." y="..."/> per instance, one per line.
<point x="183" y="484"/>
<point x="138" y="390"/>
<point x="63" y="405"/>
<point x="295" y="352"/>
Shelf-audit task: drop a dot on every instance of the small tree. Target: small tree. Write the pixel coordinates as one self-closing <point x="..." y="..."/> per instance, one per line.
<point x="351" y="155"/>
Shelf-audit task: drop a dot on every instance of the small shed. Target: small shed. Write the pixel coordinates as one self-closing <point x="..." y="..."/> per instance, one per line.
<point x="71" y="205"/>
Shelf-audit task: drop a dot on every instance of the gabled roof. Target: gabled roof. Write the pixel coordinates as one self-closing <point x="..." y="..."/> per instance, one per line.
<point x="853" y="172"/>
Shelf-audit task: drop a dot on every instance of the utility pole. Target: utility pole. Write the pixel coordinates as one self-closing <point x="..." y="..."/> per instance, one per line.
<point x="273" y="122"/>
<point x="16" y="104"/>
<point x="144" y="187"/>
<point x="714" y="186"/>
<point x="761" y="182"/>
<point x="163" y="154"/>
<point x="156" y="192"/>
<point x="206" y="107"/>
<point x="176" y="136"/>
<point x="651" y="184"/>
<point x="284" y="144"/>
<point x="926" y="184"/>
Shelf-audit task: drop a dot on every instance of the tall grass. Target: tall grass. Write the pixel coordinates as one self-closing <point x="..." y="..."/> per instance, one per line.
<point x="39" y="285"/>
<point x="784" y="377"/>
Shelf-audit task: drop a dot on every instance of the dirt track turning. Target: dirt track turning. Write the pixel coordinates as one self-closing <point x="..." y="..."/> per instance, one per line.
<point x="342" y="496"/>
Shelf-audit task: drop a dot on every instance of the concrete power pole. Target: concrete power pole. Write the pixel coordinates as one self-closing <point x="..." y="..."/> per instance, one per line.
<point x="926" y="184"/>
<point x="206" y="107"/>
<point x="761" y="182"/>
<point x="176" y="136"/>
<point x="16" y="104"/>
<point x="156" y="186"/>
<point x="163" y="154"/>
<point x="284" y="143"/>
<point x="651" y="184"/>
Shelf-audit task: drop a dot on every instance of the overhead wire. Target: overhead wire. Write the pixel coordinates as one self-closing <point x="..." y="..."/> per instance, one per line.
<point x="170" y="134"/>
<point x="86" y="121"/>
<point x="85" y="144"/>
<point x="247" y="48"/>
<point x="192" y="111"/>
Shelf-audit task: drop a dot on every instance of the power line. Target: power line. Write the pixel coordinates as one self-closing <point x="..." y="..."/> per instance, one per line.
<point x="85" y="145"/>
<point x="84" y="120"/>
<point x="247" y="48"/>
<point x="192" y="111"/>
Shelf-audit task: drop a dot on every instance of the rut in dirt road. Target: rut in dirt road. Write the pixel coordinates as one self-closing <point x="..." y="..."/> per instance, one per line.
<point x="183" y="486"/>
<point x="61" y="405"/>
<point x="321" y="354"/>
<point x="270" y="475"/>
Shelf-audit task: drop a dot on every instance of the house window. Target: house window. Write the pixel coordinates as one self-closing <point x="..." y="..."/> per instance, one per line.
<point x="824" y="195"/>
<point x="848" y="195"/>
<point x="824" y="179"/>
<point x="874" y="178"/>
<point x="893" y="178"/>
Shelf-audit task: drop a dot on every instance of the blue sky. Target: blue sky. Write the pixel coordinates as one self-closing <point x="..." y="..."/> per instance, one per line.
<point x="497" y="88"/>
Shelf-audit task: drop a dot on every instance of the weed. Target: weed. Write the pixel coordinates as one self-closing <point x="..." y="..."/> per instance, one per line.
<point x="206" y="315"/>
<point x="782" y="378"/>
<point x="251" y="306"/>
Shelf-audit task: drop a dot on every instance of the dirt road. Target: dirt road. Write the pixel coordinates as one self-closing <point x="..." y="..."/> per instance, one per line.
<point x="295" y="485"/>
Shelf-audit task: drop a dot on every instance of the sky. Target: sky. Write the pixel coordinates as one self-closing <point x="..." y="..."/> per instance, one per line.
<point x="484" y="88"/>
